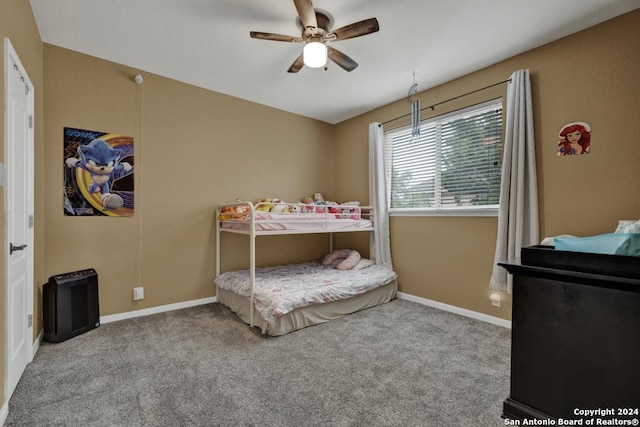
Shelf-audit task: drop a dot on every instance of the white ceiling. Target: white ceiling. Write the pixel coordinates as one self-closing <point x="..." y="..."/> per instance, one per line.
<point x="206" y="43"/>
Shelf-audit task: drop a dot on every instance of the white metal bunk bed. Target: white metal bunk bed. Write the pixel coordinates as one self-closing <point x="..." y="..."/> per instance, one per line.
<point x="375" y="285"/>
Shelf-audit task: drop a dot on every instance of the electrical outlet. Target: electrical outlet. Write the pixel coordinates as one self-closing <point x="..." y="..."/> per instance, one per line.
<point x="138" y="293"/>
<point x="496" y="299"/>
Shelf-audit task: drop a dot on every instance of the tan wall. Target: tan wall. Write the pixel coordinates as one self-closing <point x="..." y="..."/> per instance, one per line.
<point x="193" y="150"/>
<point x="591" y="76"/>
<point x="196" y="148"/>
<point x="18" y="24"/>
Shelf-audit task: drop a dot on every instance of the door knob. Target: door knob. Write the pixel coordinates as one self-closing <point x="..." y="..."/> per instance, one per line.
<point x="12" y="248"/>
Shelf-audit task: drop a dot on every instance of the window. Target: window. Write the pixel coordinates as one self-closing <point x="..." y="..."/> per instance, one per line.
<point x="452" y="168"/>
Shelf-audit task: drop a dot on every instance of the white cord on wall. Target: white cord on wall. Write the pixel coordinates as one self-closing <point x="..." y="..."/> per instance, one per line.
<point x="138" y="172"/>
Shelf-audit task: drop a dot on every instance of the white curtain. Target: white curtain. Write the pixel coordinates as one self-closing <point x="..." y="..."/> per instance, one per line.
<point x="379" y="196"/>
<point x="518" y="225"/>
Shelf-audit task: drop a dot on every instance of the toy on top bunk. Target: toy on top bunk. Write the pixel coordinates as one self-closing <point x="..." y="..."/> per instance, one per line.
<point x="309" y="205"/>
<point x="349" y="210"/>
<point x="233" y="212"/>
<point x="315" y="204"/>
<point x="321" y="204"/>
<point x="346" y="259"/>
<point x="266" y="205"/>
<point x="274" y="205"/>
<point x="281" y="207"/>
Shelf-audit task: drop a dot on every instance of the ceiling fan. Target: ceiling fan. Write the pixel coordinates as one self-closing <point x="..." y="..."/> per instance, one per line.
<point x="316" y="34"/>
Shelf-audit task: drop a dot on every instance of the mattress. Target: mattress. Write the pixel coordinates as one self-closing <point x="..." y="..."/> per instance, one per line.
<point x="310" y="315"/>
<point x="281" y="290"/>
<point x="302" y="222"/>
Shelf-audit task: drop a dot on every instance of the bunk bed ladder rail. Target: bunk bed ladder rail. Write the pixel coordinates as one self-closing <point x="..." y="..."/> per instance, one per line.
<point x="252" y="251"/>
<point x="252" y="262"/>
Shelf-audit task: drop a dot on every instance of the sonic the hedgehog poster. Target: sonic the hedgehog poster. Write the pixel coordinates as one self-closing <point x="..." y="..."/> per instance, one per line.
<point x="98" y="173"/>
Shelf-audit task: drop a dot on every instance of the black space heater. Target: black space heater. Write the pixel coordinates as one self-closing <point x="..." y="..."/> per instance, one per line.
<point x="70" y="305"/>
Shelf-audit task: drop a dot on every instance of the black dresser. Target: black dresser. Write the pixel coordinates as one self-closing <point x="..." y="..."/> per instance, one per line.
<point x="575" y="334"/>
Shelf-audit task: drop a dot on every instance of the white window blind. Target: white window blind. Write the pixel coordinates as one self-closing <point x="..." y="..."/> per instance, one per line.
<point x="454" y="164"/>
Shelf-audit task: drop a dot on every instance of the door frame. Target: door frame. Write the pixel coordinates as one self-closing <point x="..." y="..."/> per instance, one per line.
<point x="12" y="60"/>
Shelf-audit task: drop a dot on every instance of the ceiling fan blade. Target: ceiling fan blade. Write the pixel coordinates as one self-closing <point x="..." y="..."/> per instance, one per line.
<point x="306" y="13"/>
<point x="356" y="29"/>
<point x="297" y="65"/>
<point x="341" y="59"/>
<point x="274" y="37"/>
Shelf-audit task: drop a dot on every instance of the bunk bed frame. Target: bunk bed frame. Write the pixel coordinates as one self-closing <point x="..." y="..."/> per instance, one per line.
<point x="250" y="224"/>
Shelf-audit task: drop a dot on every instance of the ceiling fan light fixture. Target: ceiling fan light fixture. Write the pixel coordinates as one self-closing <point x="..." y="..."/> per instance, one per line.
<point x="314" y="54"/>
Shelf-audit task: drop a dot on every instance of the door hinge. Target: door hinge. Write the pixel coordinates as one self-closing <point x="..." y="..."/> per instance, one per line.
<point x="30" y="320"/>
<point x="30" y="221"/>
<point x="31" y="121"/>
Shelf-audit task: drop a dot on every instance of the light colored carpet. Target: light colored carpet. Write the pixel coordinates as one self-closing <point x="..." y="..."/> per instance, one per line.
<point x="399" y="364"/>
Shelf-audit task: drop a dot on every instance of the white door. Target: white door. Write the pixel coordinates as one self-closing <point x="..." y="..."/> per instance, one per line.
<point x="19" y="218"/>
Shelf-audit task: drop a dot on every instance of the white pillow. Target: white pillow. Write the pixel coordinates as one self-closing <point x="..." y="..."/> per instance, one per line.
<point x="346" y="259"/>
<point x="364" y="263"/>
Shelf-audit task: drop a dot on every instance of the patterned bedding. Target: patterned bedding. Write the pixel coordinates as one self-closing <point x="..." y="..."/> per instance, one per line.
<point x="282" y="289"/>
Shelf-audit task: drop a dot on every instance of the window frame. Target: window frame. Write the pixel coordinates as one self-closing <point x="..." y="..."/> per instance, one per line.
<point x="449" y="211"/>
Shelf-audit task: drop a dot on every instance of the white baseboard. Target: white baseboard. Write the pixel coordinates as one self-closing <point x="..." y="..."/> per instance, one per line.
<point x="457" y="310"/>
<point x="155" y="310"/>
<point x="36" y="344"/>
<point x="4" y="411"/>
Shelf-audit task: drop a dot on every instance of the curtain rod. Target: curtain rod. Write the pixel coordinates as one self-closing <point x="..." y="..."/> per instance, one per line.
<point x="446" y="100"/>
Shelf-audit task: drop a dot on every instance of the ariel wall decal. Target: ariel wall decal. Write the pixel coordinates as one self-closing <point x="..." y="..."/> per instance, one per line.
<point x="574" y="138"/>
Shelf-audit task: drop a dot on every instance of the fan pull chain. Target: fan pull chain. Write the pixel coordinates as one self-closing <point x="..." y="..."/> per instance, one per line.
<point x="415" y="110"/>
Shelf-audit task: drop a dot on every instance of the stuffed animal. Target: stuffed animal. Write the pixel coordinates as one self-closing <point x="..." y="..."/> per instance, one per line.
<point x="318" y="200"/>
<point x="242" y="212"/>
<point x="280" y="207"/>
<point x="345" y="213"/>
<point x="265" y="205"/>
<point x="333" y="207"/>
<point x="349" y="210"/>
<point x="234" y="212"/>
<point x="342" y="259"/>
<point x="295" y="208"/>
<point x="309" y="205"/>
<point x="226" y="213"/>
